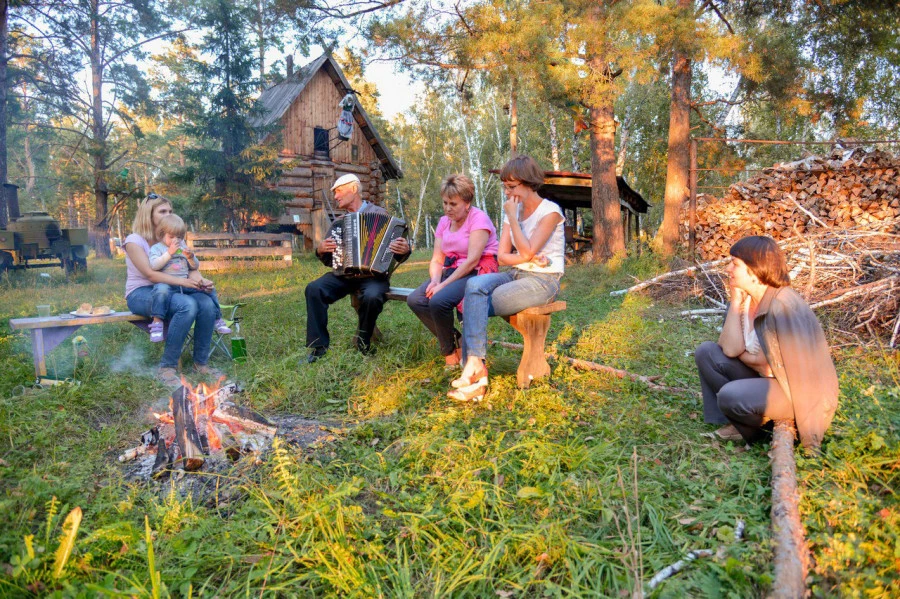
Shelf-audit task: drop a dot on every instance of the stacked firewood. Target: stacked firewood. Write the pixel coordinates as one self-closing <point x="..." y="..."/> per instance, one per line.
<point x="847" y="189"/>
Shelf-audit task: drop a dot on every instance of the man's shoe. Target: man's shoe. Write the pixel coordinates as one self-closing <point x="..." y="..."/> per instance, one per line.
<point x="365" y="349"/>
<point x="315" y="354"/>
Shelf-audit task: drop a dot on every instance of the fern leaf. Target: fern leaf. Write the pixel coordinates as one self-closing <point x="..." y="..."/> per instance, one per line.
<point x="67" y="541"/>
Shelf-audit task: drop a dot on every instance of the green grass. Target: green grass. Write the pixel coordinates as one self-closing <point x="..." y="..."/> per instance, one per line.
<point x="575" y="487"/>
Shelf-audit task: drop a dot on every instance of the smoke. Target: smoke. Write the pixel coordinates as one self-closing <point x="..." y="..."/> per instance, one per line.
<point x="132" y="359"/>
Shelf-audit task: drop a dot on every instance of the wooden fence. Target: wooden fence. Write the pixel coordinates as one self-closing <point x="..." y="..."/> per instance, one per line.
<point x="225" y="251"/>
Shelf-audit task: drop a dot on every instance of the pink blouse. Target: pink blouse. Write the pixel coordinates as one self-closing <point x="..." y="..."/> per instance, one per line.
<point x="456" y="243"/>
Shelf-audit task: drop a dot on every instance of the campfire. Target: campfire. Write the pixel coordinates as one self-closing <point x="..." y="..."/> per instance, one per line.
<point x="202" y="424"/>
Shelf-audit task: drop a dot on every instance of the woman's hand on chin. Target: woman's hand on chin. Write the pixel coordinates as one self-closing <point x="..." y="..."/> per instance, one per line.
<point x="511" y="207"/>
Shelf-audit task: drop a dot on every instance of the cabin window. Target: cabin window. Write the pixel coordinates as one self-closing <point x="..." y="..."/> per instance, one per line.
<point x="320" y="142"/>
<point x="354" y="153"/>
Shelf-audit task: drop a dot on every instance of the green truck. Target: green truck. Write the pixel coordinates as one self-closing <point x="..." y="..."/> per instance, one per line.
<point x="33" y="239"/>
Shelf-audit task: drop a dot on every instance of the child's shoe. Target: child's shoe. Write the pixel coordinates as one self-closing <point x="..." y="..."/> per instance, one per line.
<point x="222" y="327"/>
<point x="156" y="332"/>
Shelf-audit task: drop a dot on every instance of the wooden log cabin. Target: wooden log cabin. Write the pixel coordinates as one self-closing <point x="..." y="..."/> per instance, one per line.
<point x="304" y="110"/>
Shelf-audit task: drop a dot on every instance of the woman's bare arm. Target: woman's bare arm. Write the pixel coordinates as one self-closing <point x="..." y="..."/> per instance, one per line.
<point x="533" y="246"/>
<point x="731" y="340"/>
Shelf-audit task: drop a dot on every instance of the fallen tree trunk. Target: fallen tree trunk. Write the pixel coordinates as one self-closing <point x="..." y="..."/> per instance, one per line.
<point x="666" y="275"/>
<point x="616" y="372"/>
<point x="791" y="553"/>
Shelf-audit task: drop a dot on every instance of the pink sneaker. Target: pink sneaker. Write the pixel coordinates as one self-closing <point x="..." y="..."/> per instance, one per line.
<point x="222" y="327"/>
<point x="156" y="332"/>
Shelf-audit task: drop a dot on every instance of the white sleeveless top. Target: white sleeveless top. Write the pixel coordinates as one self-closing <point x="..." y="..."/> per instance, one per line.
<point x="555" y="247"/>
<point x="751" y="341"/>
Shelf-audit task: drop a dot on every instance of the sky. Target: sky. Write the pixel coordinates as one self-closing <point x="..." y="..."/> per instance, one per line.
<point x="398" y="91"/>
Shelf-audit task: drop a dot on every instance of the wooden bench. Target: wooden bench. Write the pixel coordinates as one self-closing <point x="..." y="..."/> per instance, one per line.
<point x="532" y="323"/>
<point x="49" y="331"/>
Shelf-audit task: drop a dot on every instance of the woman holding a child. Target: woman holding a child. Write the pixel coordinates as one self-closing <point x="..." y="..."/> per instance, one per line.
<point x="532" y="242"/>
<point x="772" y="361"/>
<point x="184" y="310"/>
<point x="465" y="245"/>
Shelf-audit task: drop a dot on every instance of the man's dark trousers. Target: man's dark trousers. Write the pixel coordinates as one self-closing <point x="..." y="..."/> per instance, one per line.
<point x="328" y="289"/>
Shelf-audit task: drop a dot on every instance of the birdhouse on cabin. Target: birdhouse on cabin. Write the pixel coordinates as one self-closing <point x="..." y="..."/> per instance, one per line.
<point x="324" y="134"/>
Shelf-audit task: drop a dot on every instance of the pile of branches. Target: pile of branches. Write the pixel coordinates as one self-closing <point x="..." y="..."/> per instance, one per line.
<point x="845" y="189"/>
<point x="851" y="277"/>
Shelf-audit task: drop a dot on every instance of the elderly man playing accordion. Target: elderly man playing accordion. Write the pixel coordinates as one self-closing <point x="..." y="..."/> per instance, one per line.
<point x="329" y="288"/>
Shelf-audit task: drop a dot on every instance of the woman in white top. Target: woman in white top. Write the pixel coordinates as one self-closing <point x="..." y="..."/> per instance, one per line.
<point x="532" y="243"/>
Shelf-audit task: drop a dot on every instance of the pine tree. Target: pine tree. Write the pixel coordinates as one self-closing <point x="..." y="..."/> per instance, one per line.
<point x="229" y="166"/>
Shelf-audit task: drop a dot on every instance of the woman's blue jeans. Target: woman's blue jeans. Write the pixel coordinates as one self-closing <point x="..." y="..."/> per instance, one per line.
<point x="502" y="294"/>
<point x="184" y="310"/>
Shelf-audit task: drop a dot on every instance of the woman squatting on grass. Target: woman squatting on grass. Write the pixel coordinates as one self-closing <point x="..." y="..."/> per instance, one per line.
<point x="533" y="243"/>
<point x="772" y="361"/>
<point x="184" y="311"/>
<point x="465" y="245"/>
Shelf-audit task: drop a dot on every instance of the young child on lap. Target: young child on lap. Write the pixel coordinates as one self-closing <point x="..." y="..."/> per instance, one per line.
<point x="172" y="256"/>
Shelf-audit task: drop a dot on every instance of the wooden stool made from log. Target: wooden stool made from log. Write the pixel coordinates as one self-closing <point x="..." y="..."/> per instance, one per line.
<point x="533" y="324"/>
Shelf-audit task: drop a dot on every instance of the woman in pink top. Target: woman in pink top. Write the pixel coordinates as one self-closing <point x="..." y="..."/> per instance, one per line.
<point x="465" y="244"/>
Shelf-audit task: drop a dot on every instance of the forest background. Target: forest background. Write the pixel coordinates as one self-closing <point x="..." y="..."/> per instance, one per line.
<point x="106" y="101"/>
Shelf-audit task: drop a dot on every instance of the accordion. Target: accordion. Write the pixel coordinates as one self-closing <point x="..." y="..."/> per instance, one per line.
<point x="362" y="244"/>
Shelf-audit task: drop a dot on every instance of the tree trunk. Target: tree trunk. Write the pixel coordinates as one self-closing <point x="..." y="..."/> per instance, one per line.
<point x="4" y="43"/>
<point x="609" y="239"/>
<point x="576" y="148"/>
<point x="73" y="211"/>
<point x="677" y="171"/>
<point x="623" y="149"/>
<point x="29" y="155"/>
<point x="99" y="226"/>
<point x="513" y="120"/>
<point x="474" y="157"/>
<point x="554" y="139"/>
<point x="261" y="43"/>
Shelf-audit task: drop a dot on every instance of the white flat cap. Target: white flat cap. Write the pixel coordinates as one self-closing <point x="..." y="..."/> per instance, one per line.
<point x="344" y="180"/>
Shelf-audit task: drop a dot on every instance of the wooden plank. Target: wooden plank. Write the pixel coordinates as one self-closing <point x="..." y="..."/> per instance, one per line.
<point x="220" y="265"/>
<point x="48" y="322"/>
<point x="243" y="252"/>
<point x="399" y="293"/>
<point x="548" y="309"/>
<point x="240" y="236"/>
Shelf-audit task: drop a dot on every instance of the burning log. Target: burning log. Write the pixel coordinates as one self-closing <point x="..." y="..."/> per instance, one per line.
<point x="245" y="418"/>
<point x="148" y="439"/>
<point x="186" y="434"/>
<point x="133" y="453"/>
<point x="164" y="458"/>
